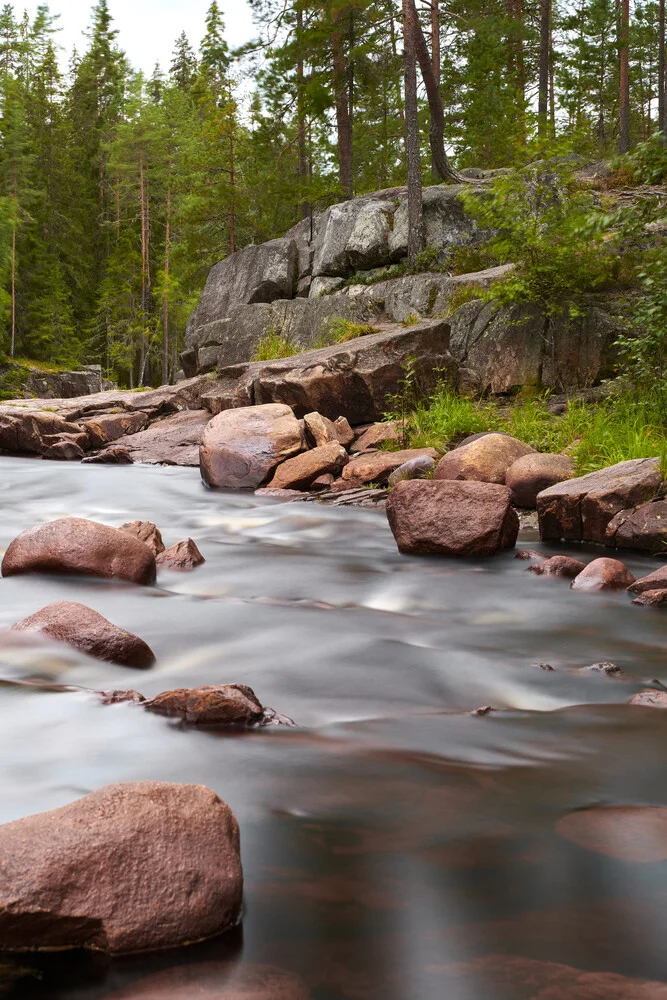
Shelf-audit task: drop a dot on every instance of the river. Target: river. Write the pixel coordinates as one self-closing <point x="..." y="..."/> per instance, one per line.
<point x="392" y="842"/>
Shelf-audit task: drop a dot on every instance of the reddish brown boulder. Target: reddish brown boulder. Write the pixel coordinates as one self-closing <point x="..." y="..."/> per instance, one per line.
<point x="580" y="509"/>
<point x="323" y="482"/>
<point x="89" y="631"/>
<point x="319" y="430"/>
<point x="106" y="427"/>
<point x="344" y="432"/>
<point x="241" y="447"/>
<point x="533" y="473"/>
<point x="147" y="532"/>
<point x="486" y="459"/>
<point x="183" y="555"/>
<point x="415" y="468"/>
<point x="375" y="468"/>
<point x="652" y="598"/>
<point x="63" y="448"/>
<point x="649" y="699"/>
<point x="603" y="574"/>
<point x="173" y="440"/>
<point x="530" y="554"/>
<point x="378" y="434"/>
<point x="114" y="455"/>
<point x="131" y="867"/>
<point x="657" y="580"/>
<point x="25" y="430"/>
<point x="630" y="833"/>
<point x="210" y="705"/>
<point x="452" y="518"/>
<point x="75" y="545"/>
<point x="557" y="566"/>
<point x="644" y="529"/>
<point x="299" y="472"/>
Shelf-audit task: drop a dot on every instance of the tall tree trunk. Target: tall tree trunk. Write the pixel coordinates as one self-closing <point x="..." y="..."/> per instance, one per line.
<point x="165" y="294"/>
<point x="13" y="343"/>
<point x="394" y="49"/>
<point x="413" y="28"/>
<point x="624" y="79"/>
<point x="520" y="68"/>
<point x="662" y="116"/>
<point x="232" y="202"/>
<point x="343" y="119"/>
<point x="300" y="116"/>
<point x="545" y="48"/>
<point x="415" y="228"/>
<point x="435" y="59"/>
<point x="144" y="275"/>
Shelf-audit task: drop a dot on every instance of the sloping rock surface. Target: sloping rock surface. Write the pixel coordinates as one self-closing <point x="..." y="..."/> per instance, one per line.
<point x="131" y="867"/>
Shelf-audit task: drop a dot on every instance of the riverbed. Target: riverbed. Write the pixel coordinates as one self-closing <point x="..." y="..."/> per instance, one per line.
<point x="395" y="846"/>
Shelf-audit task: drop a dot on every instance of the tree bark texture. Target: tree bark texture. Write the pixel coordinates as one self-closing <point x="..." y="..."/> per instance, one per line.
<point x="415" y="228"/>
<point x="624" y="79"/>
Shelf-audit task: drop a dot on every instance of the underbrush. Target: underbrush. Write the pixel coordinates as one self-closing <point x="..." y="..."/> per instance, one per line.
<point x="340" y="330"/>
<point x="593" y="434"/>
<point x="274" y="345"/>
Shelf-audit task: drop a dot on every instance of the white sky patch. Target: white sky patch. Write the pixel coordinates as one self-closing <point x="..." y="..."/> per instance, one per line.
<point x="147" y="29"/>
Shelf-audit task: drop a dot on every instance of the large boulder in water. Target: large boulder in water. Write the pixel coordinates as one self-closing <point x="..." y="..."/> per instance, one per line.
<point x="657" y="580"/>
<point x="89" y="631"/>
<point x="580" y="509"/>
<point x="644" y="528"/>
<point x="485" y="459"/>
<point x="76" y="545"/>
<point x="131" y="867"/>
<point x="451" y="518"/>
<point x="241" y="447"/>
<point x="603" y="574"/>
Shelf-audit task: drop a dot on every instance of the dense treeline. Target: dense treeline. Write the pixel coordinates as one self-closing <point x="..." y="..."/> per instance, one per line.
<point x="118" y="192"/>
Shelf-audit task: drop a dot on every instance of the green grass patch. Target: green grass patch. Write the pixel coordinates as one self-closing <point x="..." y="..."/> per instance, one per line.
<point x="274" y="345"/>
<point x="340" y="330"/>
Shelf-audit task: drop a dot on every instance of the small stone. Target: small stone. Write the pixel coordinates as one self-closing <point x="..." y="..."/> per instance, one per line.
<point x="543" y="666"/>
<point x="344" y="432"/>
<point x="603" y="574"/>
<point x="483" y="710"/>
<point x="604" y="667"/>
<point x="657" y="580"/>
<point x="147" y="532"/>
<point x="323" y="482"/>
<point x="557" y="566"/>
<point x="529" y="554"/>
<point x="114" y="455"/>
<point x="319" y="430"/>
<point x="300" y="471"/>
<point x="116" y="697"/>
<point x="652" y="598"/>
<point x="210" y="705"/>
<point x="183" y="555"/>
<point x="414" y="468"/>
<point x="266" y="491"/>
<point x="649" y="699"/>
<point x="378" y="434"/>
<point x="377" y="466"/>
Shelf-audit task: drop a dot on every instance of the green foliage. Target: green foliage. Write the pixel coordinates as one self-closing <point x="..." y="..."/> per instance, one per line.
<point x="547" y="231"/>
<point x="340" y="330"/>
<point x="461" y="294"/>
<point x="648" y="160"/>
<point x="644" y="348"/>
<point x="274" y="345"/>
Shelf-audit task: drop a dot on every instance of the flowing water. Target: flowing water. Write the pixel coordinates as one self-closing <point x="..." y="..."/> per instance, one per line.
<point x="392" y="842"/>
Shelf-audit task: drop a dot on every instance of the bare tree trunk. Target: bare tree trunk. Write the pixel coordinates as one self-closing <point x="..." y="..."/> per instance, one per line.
<point x="144" y="276"/>
<point x="520" y="67"/>
<point x="165" y="294"/>
<point x="343" y="119"/>
<point x="435" y="59"/>
<point x="13" y="343"/>
<point x="300" y="116"/>
<point x="232" y="203"/>
<point x="413" y="27"/>
<point x="545" y="46"/>
<point x="415" y="228"/>
<point x="624" y="79"/>
<point x="662" y="117"/>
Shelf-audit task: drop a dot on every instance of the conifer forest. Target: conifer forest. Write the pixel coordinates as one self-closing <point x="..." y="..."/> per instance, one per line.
<point x="118" y="191"/>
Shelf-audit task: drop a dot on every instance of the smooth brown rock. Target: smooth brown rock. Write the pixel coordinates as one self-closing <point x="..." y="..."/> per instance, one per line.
<point x="416" y="468"/>
<point x="146" y="532"/>
<point x="131" y="867"/>
<point x="580" y="509"/>
<point x="485" y="459"/>
<point x="344" y="432"/>
<point x="644" y="529"/>
<point x="375" y="468"/>
<point x="657" y="580"/>
<point x="90" y="632"/>
<point x="173" y="440"/>
<point x="299" y="472"/>
<point x="113" y="455"/>
<point x="652" y="598"/>
<point x="531" y="474"/>
<point x="183" y="555"/>
<point x="323" y="482"/>
<point x="24" y="429"/>
<point x="557" y="566"/>
<point x="63" y="450"/>
<point x="119" y="695"/>
<point x="452" y="518"/>
<point x="631" y="833"/>
<point x="377" y="434"/>
<point x="649" y="699"/>
<point x="210" y="705"/>
<point x="530" y="554"/>
<point x="319" y="430"/>
<point x="241" y="447"/>
<point x="603" y="574"/>
<point x="106" y="427"/>
<point x="75" y="545"/>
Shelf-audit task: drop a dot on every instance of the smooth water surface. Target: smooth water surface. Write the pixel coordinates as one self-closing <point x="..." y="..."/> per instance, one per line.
<point x="392" y="842"/>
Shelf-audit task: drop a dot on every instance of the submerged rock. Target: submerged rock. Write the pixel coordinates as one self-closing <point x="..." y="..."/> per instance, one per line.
<point x="649" y="699"/>
<point x="604" y="667"/>
<point x="557" y="566"/>
<point x="90" y="632"/>
<point x="485" y="459"/>
<point x="629" y="833"/>
<point x="603" y="574"/>
<point x="114" y="455"/>
<point x="531" y="474"/>
<point x="241" y="447"/>
<point x="644" y="529"/>
<point x="147" y="532"/>
<point x="183" y="555"/>
<point x="657" y="580"/>
<point x="76" y="545"/>
<point x="215" y="705"/>
<point x="652" y="598"/>
<point x="452" y="518"/>
<point x="131" y="867"/>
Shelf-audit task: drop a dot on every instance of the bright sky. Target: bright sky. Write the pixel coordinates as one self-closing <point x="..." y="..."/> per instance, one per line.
<point x="147" y="29"/>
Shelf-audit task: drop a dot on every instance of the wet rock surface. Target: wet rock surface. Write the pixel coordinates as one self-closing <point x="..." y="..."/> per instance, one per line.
<point x="452" y="518"/>
<point x="215" y="706"/>
<point x="180" y="842"/>
<point x="644" y="529"/>
<point x="603" y="574"/>
<point x="75" y="545"/>
<point x="183" y="555"/>
<point x="652" y="598"/>
<point x="557" y="566"/>
<point x="89" y="631"/>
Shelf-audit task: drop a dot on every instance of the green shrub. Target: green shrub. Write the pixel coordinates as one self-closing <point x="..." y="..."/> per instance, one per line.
<point x="274" y="345"/>
<point x="647" y="162"/>
<point x="340" y="330"/>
